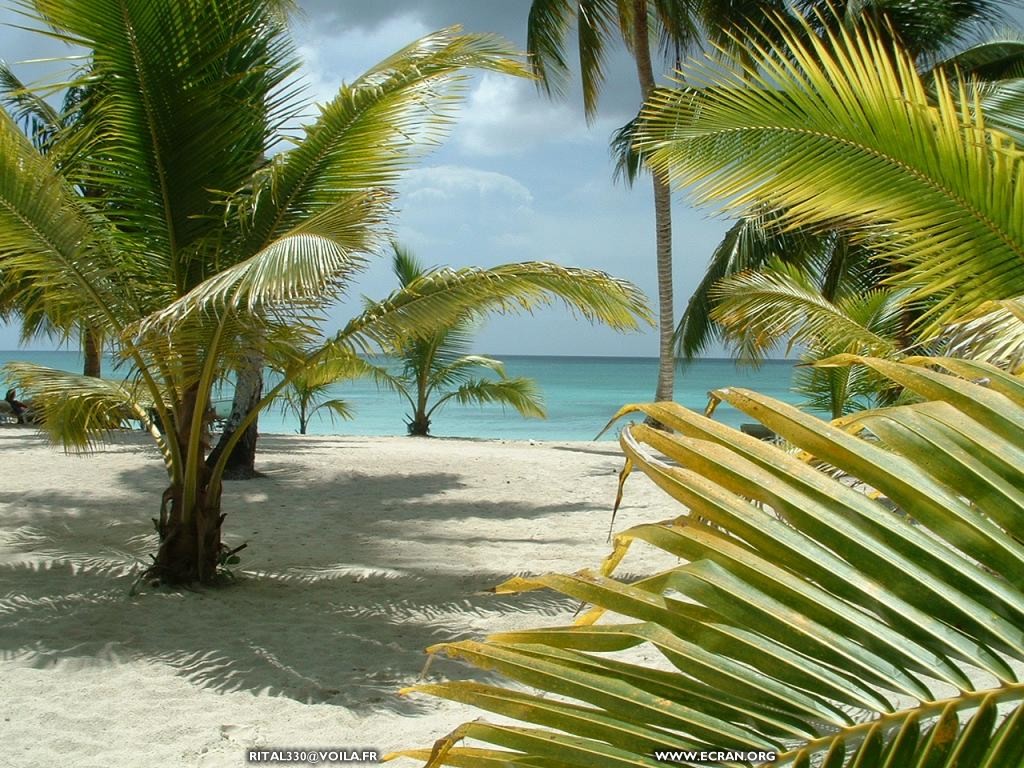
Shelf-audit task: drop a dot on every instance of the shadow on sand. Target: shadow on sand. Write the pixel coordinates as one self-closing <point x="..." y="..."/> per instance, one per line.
<point x="334" y="604"/>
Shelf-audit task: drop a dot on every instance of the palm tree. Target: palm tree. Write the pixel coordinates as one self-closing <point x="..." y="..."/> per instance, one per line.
<point x="438" y="368"/>
<point x="978" y="269"/>
<point x="306" y="391"/>
<point x="842" y="266"/>
<point x="199" y="251"/>
<point x="597" y="25"/>
<point x="870" y="618"/>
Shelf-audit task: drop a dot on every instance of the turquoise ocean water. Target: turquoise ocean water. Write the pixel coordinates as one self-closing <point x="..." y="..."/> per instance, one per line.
<point x="580" y="393"/>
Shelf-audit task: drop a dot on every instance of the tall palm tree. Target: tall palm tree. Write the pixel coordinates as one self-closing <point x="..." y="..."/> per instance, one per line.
<point x="199" y="251"/>
<point x="438" y="368"/>
<point x="870" y="619"/>
<point x="598" y="24"/>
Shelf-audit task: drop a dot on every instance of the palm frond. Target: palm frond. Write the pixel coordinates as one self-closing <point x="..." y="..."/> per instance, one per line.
<point x="33" y="113"/>
<point x="749" y="245"/>
<point x="77" y="412"/>
<point x="841" y="132"/>
<point x="45" y="235"/>
<point x="597" y="21"/>
<point x="372" y="130"/>
<point x="446" y="296"/>
<point x="628" y="161"/>
<point x="994" y="334"/>
<point x="302" y="269"/>
<point x="998" y="57"/>
<point x="453" y="371"/>
<point x="547" y="29"/>
<point x="518" y="392"/>
<point x="806" y="617"/>
<point x="761" y="310"/>
<point x="188" y="99"/>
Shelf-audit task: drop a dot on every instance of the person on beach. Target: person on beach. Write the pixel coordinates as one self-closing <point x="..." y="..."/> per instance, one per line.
<point x="17" y="407"/>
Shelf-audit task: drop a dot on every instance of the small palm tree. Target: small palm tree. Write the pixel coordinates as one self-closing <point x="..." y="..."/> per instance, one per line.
<point x="306" y="391"/>
<point x="438" y="368"/>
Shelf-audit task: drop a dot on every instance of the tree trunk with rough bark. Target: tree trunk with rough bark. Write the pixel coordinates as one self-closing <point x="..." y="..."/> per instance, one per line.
<point x="92" y="351"/>
<point x="241" y="464"/>
<point x="190" y="534"/>
<point x="665" y="389"/>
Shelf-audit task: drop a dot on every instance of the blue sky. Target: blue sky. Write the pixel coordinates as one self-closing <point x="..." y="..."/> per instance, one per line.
<point x="522" y="177"/>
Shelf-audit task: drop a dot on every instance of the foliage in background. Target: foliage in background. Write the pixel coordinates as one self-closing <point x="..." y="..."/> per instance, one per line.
<point x="830" y="257"/>
<point x="306" y="392"/>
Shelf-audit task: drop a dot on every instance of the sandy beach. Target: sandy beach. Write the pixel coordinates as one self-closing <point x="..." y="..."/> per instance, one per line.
<point x="361" y="553"/>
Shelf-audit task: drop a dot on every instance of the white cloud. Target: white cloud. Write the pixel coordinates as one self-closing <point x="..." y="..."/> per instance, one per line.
<point x="444" y="183"/>
<point x="508" y="116"/>
<point x="332" y="54"/>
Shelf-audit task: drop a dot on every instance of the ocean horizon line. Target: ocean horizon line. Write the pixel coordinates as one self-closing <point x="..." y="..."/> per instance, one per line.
<point x="516" y="355"/>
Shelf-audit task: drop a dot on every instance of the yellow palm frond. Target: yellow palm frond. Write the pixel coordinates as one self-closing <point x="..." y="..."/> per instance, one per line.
<point x="841" y="131"/>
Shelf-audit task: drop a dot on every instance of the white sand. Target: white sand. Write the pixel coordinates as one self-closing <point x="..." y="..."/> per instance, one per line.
<point x="362" y="552"/>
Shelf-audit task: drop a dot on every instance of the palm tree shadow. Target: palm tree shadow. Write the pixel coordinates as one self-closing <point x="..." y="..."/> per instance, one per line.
<point x="332" y="605"/>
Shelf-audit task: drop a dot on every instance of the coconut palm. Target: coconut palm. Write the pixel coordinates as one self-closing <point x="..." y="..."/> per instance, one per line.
<point x="598" y="24"/>
<point x="830" y="256"/>
<point x="917" y="160"/>
<point x="306" y="392"/>
<point x="199" y="251"/>
<point x="857" y="600"/>
<point x="438" y="368"/>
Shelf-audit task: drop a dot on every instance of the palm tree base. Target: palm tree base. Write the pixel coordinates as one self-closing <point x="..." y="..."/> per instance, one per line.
<point x="191" y="551"/>
<point x="419" y="427"/>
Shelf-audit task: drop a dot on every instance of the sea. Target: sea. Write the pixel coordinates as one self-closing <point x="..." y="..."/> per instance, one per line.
<point x="580" y="395"/>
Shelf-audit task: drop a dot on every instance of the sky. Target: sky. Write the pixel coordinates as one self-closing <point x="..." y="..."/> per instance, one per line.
<point x="522" y="176"/>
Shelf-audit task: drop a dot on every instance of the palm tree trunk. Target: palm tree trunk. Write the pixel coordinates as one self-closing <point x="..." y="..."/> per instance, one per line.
<point x="241" y="464"/>
<point x="92" y="351"/>
<point x="190" y="544"/>
<point x="665" y="389"/>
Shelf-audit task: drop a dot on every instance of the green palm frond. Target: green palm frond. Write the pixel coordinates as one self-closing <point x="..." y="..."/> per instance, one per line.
<point x="759" y="311"/>
<point x="445" y="296"/>
<point x="77" y="412"/>
<point x="924" y="27"/>
<point x="806" y="617"/>
<point x="827" y="259"/>
<point x="298" y="270"/>
<point x="1003" y="105"/>
<point x="372" y="130"/>
<point x="628" y="161"/>
<point x="843" y="133"/>
<point x="994" y="334"/>
<point x="517" y="392"/>
<point x="188" y="107"/>
<point x="546" y="32"/>
<point x="53" y="260"/>
<point x="998" y="57"/>
<point x="33" y="113"/>
<point x="456" y="369"/>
